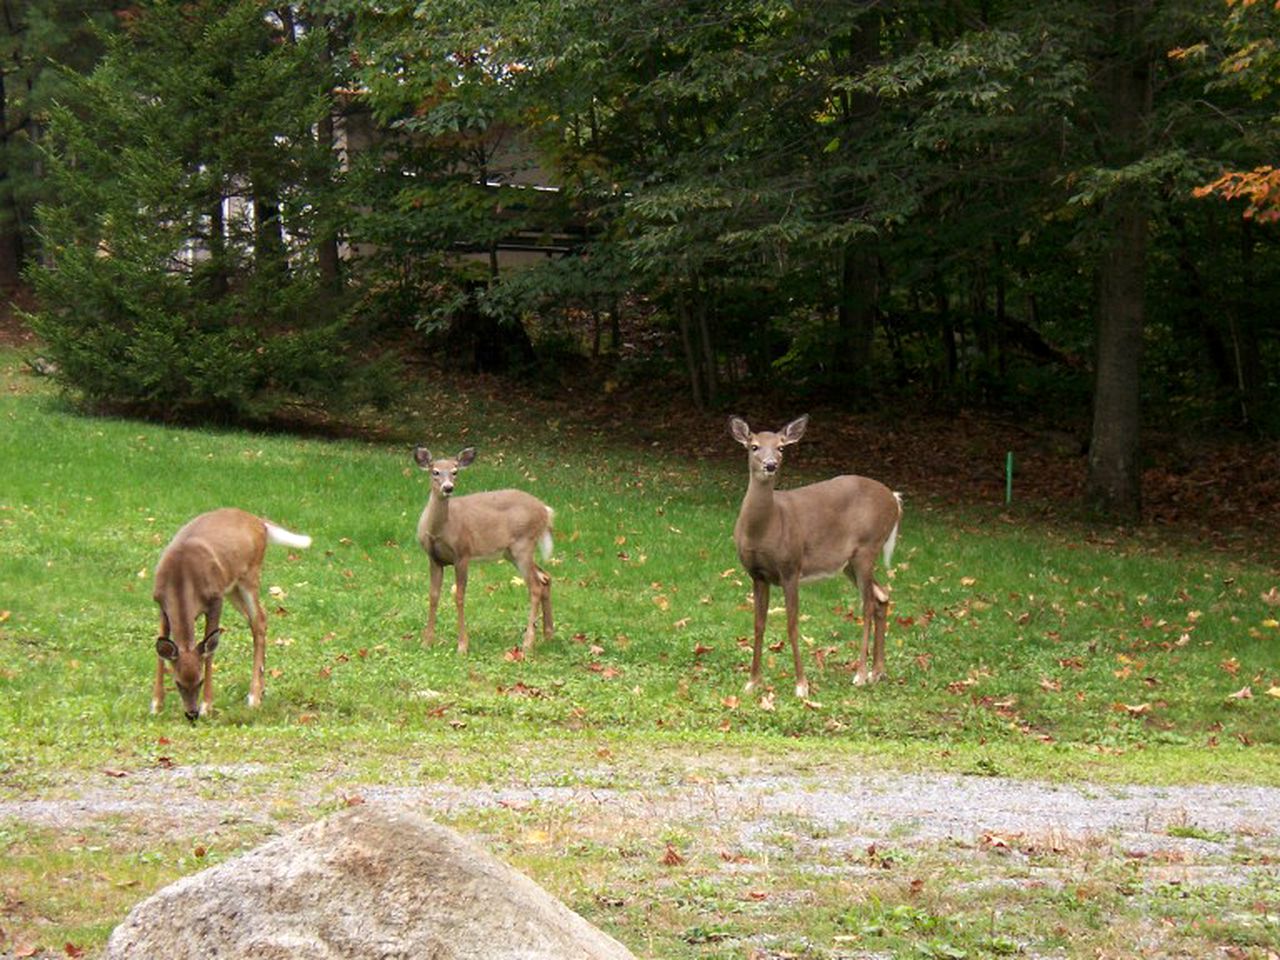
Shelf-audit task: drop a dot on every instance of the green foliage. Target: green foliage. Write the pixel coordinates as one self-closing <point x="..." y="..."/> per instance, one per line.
<point x="178" y="275"/>
<point x="754" y="151"/>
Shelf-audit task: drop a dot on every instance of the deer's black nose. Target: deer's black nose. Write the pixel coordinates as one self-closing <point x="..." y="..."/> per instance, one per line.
<point x="770" y="466"/>
<point x="193" y="715"/>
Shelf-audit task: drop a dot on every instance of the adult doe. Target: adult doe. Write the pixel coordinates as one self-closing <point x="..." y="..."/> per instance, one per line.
<point x="786" y="537"/>
<point x="480" y="526"/>
<point x="216" y="555"/>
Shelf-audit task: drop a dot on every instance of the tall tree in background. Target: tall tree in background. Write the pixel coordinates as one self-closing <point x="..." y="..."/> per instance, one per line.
<point x="1125" y="85"/>
<point x="179" y="273"/>
<point x="35" y="35"/>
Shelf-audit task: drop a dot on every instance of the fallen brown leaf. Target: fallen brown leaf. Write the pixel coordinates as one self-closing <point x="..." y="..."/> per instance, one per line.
<point x="1133" y="709"/>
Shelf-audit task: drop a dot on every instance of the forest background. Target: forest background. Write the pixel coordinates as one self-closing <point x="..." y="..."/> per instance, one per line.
<point x="1060" y="212"/>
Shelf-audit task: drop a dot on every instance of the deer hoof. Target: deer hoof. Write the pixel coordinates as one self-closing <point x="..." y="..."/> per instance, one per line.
<point x="802" y="689"/>
<point x="155" y="707"/>
<point x="860" y="680"/>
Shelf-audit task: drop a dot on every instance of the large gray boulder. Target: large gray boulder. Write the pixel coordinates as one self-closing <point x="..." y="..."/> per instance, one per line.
<point x="369" y="882"/>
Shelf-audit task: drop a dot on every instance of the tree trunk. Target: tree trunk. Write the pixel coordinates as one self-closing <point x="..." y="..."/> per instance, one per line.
<point x="946" y="335"/>
<point x="1113" y="486"/>
<point x="216" y="280"/>
<point x="10" y="222"/>
<point x="857" y="302"/>
<point x="690" y="354"/>
<point x="327" y="259"/>
<point x="708" y="348"/>
<point x="268" y="235"/>
<point x="856" y="315"/>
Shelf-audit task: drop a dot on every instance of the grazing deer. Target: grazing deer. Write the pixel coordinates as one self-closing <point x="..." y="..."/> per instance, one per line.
<point x="216" y="555"/>
<point x="480" y="526"/>
<point x="811" y="533"/>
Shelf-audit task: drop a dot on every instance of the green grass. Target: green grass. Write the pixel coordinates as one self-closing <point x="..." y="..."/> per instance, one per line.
<point x="1014" y="649"/>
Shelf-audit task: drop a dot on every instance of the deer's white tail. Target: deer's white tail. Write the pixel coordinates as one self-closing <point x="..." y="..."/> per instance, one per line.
<point x="279" y="535"/>
<point x="545" y="543"/>
<point x="887" y="550"/>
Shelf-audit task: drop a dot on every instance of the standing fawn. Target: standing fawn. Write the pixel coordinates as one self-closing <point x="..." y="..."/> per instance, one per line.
<point x="480" y="526"/>
<point x="811" y="533"/>
<point x="218" y="554"/>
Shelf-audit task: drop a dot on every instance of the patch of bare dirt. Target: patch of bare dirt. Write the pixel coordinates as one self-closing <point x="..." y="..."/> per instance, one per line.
<point x="13" y="331"/>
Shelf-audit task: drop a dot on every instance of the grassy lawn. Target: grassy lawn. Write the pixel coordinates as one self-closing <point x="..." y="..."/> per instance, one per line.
<point x="1014" y="649"/>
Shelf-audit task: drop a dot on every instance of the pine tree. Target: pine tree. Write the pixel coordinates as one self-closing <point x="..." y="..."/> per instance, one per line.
<point x="180" y="275"/>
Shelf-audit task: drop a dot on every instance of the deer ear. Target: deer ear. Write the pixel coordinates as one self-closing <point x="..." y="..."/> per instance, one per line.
<point x="166" y="649"/>
<point x="466" y="457"/>
<point x="209" y="644"/>
<point x="422" y="457"/>
<point x="741" y="432"/>
<point x="794" y="430"/>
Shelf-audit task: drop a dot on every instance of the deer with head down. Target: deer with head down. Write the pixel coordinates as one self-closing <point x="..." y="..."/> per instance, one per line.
<point x="786" y="537"/>
<point x="218" y="554"/>
<point x="479" y="526"/>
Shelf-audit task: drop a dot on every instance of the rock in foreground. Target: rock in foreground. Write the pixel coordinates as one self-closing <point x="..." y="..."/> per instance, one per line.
<point x="369" y="882"/>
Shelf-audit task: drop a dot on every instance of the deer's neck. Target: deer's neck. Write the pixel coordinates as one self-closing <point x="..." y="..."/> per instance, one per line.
<point x="437" y="514"/>
<point x="758" y="513"/>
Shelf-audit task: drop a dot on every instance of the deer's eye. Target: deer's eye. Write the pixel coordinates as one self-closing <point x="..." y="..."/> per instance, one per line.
<point x="755" y="447"/>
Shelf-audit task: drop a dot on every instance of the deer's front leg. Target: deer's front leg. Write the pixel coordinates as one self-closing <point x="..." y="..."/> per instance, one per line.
<point x="437" y="578"/>
<point x="212" y="617"/>
<point x="460" y="596"/>
<point x="760" y="598"/>
<point x="791" y="593"/>
<point x="157" y="691"/>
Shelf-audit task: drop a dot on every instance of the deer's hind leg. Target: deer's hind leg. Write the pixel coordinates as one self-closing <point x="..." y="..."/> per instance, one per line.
<point x="544" y="582"/>
<point x="245" y="598"/>
<point x="859" y="570"/>
<point x="880" y="599"/>
<point x="538" y="583"/>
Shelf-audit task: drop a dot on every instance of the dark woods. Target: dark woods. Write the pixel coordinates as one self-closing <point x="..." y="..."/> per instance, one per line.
<point x="236" y="207"/>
